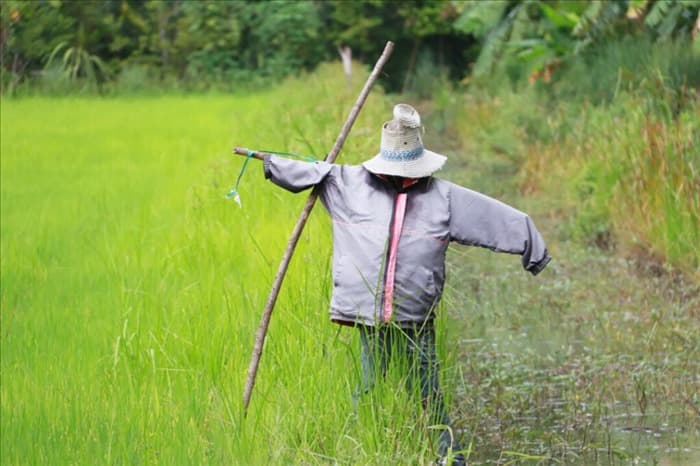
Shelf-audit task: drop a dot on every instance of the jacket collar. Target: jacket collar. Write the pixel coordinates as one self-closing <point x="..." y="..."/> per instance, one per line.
<point x="401" y="184"/>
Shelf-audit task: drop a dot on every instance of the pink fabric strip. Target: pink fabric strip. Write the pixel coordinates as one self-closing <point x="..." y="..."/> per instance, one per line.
<point x="396" y="227"/>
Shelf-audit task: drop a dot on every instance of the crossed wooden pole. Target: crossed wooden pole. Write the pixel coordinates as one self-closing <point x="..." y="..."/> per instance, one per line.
<point x="291" y="245"/>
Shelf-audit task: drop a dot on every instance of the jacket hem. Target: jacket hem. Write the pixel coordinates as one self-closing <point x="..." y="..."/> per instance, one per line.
<point x="539" y="267"/>
<point x="364" y="323"/>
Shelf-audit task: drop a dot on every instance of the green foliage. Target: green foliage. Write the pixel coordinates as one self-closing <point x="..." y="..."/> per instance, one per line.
<point x="597" y="22"/>
<point x="141" y="79"/>
<point x="76" y="63"/>
<point x="427" y="18"/>
<point x="355" y="23"/>
<point x="232" y="44"/>
<point x="129" y="308"/>
<point x="29" y="32"/>
<point x="542" y="35"/>
<point x="54" y="81"/>
<point x="628" y="64"/>
<point x="625" y="137"/>
<point x="205" y="44"/>
<point x="131" y="291"/>
<point x="207" y="33"/>
<point x="491" y="22"/>
<point x="283" y="38"/>
<point x="672" y="19"/>
<point x="640" y="192"/>
<point x="153" y="31"/>
<point x="416" y="27"/>
<point x="479" y="18"/>
<point x="613" y="136"/>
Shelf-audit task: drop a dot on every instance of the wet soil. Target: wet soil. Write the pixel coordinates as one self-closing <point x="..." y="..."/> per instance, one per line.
<point x="594" y="361"/>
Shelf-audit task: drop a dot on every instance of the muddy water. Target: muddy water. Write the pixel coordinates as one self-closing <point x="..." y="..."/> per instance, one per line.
<point x="594" y="361"/>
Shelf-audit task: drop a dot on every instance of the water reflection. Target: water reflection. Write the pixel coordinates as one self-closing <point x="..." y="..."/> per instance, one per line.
<point x="590" y="364"/>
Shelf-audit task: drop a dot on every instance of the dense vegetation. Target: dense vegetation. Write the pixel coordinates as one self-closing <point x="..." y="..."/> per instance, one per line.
<point x="614" y="140"/>
<point x="128" y="45"/>
<point x="131" y="289"/>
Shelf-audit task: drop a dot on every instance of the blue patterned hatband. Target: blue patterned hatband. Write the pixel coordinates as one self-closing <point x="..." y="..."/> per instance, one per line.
<point x="402" y="155"/>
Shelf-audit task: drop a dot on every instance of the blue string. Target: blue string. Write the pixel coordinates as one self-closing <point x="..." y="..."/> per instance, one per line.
<point x="234" y="192"/>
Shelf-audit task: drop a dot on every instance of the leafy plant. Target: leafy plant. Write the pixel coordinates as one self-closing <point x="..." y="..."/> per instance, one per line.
<point x="28" y="32"/>
<point x="543" y="34"/>
<point x="77" y="63"/>
<point x="672" y="18"/>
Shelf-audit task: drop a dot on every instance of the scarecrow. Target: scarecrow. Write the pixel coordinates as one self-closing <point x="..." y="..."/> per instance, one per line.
<point x="392" y="223"/>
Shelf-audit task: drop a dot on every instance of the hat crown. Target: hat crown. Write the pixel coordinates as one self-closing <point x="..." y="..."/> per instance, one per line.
<point x="401" y="137"/>
<point x="407" y="116"/>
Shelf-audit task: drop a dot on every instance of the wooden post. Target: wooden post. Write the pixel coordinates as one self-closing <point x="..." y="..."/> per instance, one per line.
<point x="281" y="271"/>
<point x="346" y="55"/>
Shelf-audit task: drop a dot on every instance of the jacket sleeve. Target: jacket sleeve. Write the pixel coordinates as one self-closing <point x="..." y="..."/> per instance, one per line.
<point x="294" y="175"/>
<point x="478" y="220"/>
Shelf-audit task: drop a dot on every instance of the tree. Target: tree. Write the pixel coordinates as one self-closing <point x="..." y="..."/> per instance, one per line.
<point x="282" y="37"/>
<point x="206" y="37"/>
<point x="543" y="33"/>
<point x="29" y="32"/>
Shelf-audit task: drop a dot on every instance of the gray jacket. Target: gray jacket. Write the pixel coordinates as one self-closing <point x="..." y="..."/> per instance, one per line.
<point x="437" y="212"/>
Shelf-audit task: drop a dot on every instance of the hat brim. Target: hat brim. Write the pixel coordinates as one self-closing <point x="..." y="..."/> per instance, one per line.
<point x="428" y="163"/>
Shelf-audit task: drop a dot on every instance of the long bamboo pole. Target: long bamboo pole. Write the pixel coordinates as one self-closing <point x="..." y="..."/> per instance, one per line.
<point x="291" y="245"/>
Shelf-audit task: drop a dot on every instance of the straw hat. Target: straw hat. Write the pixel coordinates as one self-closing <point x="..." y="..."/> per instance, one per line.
<point x="402" y="152"/>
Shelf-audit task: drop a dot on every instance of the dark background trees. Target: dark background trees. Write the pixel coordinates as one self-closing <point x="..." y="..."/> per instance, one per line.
<point x="197" y="45"/>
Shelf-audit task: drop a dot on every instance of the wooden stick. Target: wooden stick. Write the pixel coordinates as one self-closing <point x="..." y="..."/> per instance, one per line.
<point x="246" y="152"/>
<point x="281" y="271"/>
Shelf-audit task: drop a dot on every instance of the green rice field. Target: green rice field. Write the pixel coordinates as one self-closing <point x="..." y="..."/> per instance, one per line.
<point x="132" y="289"/>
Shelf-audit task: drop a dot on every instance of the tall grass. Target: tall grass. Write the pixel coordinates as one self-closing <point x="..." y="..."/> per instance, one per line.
<point x="631" y="177"/>
<point x="616" y="140"/>
<point x="131" y="290"/>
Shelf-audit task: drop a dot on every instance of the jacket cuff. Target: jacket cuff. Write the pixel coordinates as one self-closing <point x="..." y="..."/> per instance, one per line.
<point x="267" y="166"/>
<point x="539" y="266"/>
